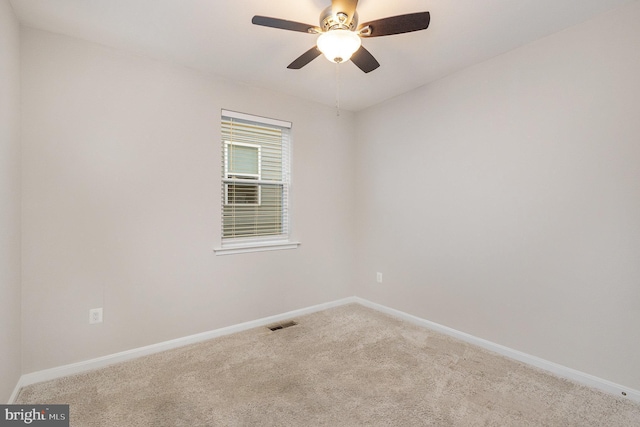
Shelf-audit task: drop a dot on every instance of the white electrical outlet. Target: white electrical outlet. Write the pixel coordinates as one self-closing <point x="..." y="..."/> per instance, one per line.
<point x="95" y="315"/>
<point x="379" y="277"/>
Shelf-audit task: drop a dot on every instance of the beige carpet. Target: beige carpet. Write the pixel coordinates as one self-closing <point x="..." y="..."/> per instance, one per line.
<point x="348" y="366"/>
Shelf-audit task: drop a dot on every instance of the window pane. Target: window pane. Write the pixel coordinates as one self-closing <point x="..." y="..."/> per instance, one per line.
<point x="242" y="194"/>
<point x="243" y="159"/>
<point x="243" y="220"/>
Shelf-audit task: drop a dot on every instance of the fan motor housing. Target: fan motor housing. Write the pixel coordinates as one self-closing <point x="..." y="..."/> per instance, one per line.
<point x="330" y="21"/>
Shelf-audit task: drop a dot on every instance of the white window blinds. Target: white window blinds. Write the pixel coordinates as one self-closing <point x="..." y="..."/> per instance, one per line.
<point x="255" y="178"/>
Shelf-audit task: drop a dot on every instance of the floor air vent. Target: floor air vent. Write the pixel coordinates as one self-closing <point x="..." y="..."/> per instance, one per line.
<point x="283" y="325"/>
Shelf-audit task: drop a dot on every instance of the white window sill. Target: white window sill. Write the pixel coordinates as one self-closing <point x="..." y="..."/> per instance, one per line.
<point x="255" y="247"/>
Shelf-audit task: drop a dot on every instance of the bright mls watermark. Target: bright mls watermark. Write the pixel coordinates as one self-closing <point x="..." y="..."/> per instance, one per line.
<point x="34" y="415"/>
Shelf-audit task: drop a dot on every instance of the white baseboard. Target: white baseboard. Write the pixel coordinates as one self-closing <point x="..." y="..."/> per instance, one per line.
<point x="16" y="390"/>
<point x="101" y="362"/>
<point x="554" y="368"/>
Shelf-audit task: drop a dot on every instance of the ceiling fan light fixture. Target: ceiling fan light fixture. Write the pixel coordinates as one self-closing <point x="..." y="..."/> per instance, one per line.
<point x="338" y="45"/>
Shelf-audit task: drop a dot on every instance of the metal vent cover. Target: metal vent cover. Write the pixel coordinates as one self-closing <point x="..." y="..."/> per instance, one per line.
<point x="282" y="325"/>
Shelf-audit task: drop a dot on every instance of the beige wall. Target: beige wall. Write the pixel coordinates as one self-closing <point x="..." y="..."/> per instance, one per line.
<point x="9" y="201"/>
<point x="504" y="200"/>
<point x="121" y="170"/>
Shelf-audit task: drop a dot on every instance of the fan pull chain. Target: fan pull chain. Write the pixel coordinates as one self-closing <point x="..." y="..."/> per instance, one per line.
<point x="337" y="90"/>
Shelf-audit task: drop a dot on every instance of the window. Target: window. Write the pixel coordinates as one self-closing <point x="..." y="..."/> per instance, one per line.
<point x="255" y="183"/>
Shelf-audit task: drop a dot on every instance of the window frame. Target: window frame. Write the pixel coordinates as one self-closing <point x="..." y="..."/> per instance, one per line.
<point x="245" y="244"/>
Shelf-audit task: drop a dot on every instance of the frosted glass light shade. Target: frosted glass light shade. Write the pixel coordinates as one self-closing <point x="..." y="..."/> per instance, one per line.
<point x="338" y="45"/>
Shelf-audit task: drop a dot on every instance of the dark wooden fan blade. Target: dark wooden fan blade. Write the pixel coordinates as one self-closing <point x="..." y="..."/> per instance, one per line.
<point x="397" y="24"/>
<point x="282" y="24"/>
<point x="305" y="58"/>
<point x="345" y="6"/>
<point x="364" y="60"/>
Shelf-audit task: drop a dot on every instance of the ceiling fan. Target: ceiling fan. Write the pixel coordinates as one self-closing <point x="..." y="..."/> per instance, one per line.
<point x="340" y="34"/>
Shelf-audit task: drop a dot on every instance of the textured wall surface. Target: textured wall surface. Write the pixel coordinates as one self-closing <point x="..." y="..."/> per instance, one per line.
<point x="504" y="201"/>
<point x="121" y="158"/>
<point x="9" y="201"/>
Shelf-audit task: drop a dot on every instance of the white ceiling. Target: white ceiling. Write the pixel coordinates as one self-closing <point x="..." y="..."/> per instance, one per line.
<point x="217" y="36"/>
